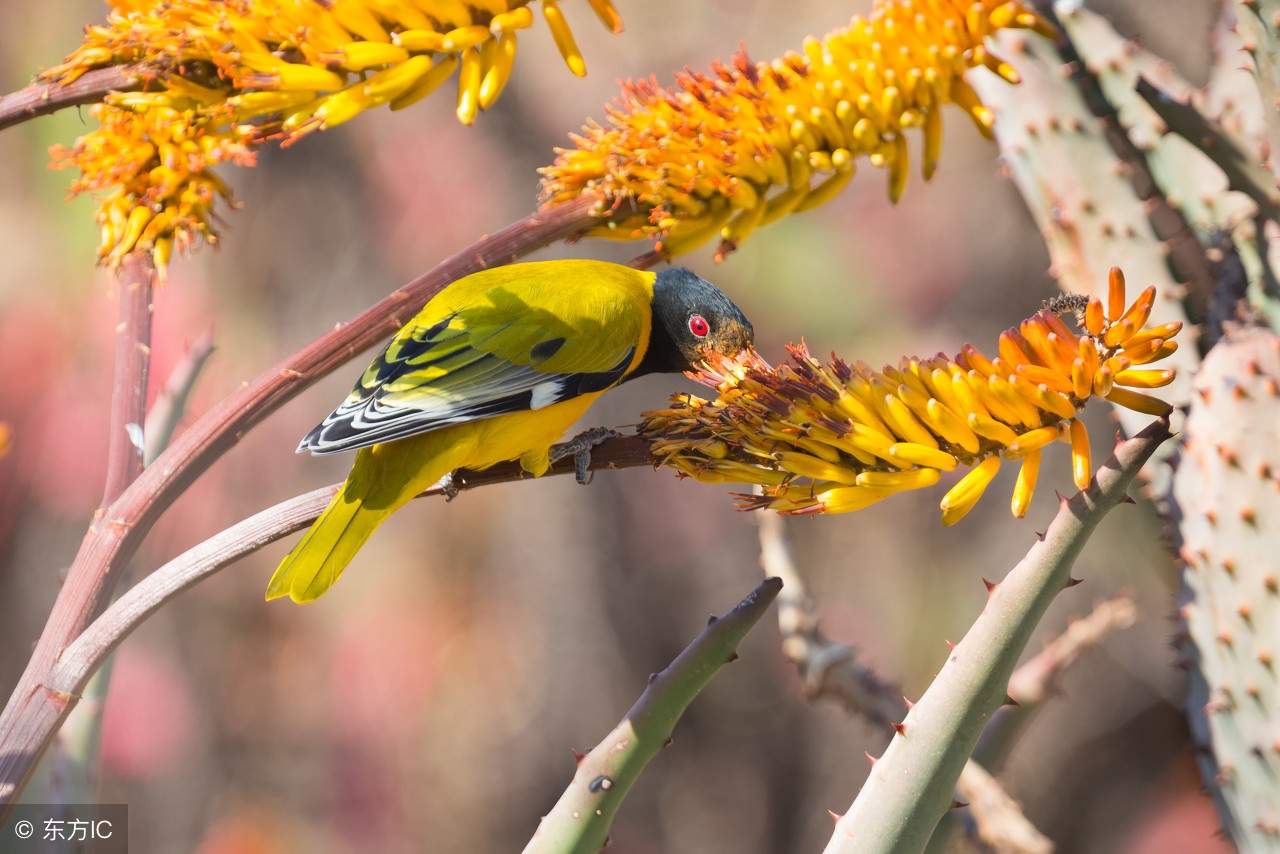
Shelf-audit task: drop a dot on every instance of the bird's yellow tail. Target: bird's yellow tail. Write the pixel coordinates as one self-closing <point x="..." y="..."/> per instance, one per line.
<point x="383" y="479"/>
<point x="319" y="557"/>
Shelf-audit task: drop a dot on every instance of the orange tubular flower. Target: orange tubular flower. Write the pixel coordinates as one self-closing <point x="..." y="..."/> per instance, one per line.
<point x="834" y="438"/>
<point x="232" y="74"/>
<point x="724" y="153"/>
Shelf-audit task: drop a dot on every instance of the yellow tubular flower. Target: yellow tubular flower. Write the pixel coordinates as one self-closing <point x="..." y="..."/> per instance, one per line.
<point x="725" y="152"/>
<point x="1026" y="485"/>
<point x="229" y="75"/>
<point x="838" y="437"/>
<point x="962" y="497"/>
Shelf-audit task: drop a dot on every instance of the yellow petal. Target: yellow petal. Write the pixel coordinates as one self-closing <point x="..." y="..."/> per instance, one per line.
<point x="846" y="499"/>
<point x="1115" y="294"/>
<point x="469" y="86"/>
<point x="899" y="480"/>
<point x="1061" y="383"/>
<point x="508" y="22"/>
<point x="961" y="498"/>
<point x="873" y="442"/>
<point x="563" y="37"/>
<point x="899" y="168"/>
<point x="607" y="14"/>
<point x="1164" y="330"/>
<point x="923" y="456"/>
<point x="495" y="78"/>
<point x="462" y="38"/>
<point x="816" y="468"/>
<point x="1081" y="464"/>
<point x="1103" y="381"/>
<point x="1026" y="484"/>
<point x="420" y="41"/>
<point x="904" y="424"/>
<point x="932" y="141"/>
<point x="1094" y="317"/>
<point x="1145" y="379"/>
<point x="1138" y="402"/>
<point x="427" y="84"/>
<point x="391" y="83"/>
<point x="1081" y="381"/>
<point x="991" y="429"/>
<point x="1034" y="440"/>
<point x="952" y="428"/>
<point x="342" y="106"/>
<point x="359" y="56"/>
<point x="357" y="18"/>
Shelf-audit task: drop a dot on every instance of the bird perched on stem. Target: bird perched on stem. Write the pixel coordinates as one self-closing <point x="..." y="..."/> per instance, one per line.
<point x="496" y="367"/>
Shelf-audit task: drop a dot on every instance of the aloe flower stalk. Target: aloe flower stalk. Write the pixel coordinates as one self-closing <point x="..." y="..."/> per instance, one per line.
<point x="726" y="152"/>
<point x="230" y="75"/>
<point x="837" y="438"/>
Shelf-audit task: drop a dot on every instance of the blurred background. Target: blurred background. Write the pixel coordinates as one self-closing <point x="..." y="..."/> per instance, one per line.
<point x="431" y="701"/>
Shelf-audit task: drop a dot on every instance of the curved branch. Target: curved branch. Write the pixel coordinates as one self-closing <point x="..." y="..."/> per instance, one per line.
<point x="41" y="99"/>
<point x="34" y="711"/>
<point x="86" y="654"/>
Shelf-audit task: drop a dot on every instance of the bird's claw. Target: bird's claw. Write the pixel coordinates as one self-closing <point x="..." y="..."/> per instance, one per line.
<point x="579" y="447"/>
<point x="448" y="487"/>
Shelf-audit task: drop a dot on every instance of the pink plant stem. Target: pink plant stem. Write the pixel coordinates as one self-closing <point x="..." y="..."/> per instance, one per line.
<point x="133" y="367"/>
<point x="40" y="99"/>
<point x="89" y="651"/>
<point x="35" y="710"/>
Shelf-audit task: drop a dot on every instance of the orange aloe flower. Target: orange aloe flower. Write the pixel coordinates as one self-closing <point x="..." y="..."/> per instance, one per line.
<point x="726" y="152"/>
<point x="229" y="75"/>
<point x="835" y="438"/>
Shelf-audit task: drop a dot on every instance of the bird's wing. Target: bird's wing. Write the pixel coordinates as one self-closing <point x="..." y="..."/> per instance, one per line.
<point x="518" y="344"/>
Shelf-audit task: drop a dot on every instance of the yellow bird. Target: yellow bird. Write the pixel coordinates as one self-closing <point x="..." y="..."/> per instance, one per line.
<point x="496" y="367"/>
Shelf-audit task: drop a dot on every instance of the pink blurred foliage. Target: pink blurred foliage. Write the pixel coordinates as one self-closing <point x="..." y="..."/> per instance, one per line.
<point x="58" y="404"/>
<point x="384" y="663"/>
<point x="924" y="283"/>
<point x="1182" y="820"/>
<point x="149" y="718"/>
<point x="434" y="185"/>
<point x="62" y="387"/>
<point x="383" y="668"/>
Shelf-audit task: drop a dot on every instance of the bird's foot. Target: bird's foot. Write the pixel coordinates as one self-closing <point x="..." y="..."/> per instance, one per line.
<point x="448" y="487"/>
<point x="579" y="447"/>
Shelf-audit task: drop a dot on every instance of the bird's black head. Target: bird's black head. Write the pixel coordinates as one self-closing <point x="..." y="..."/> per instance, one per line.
<point x="692" y="319"/>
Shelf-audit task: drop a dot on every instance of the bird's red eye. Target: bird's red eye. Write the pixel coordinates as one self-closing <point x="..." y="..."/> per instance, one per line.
<point x="698" y="325"/>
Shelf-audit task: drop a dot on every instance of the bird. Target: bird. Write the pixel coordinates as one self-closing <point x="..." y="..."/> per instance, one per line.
<point x="497" y="367"/>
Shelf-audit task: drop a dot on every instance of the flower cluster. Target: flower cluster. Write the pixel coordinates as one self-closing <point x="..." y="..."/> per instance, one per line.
<point x="724" y="153"/>
<point x="835" y="438"/>
<point x="228" y="75"/>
